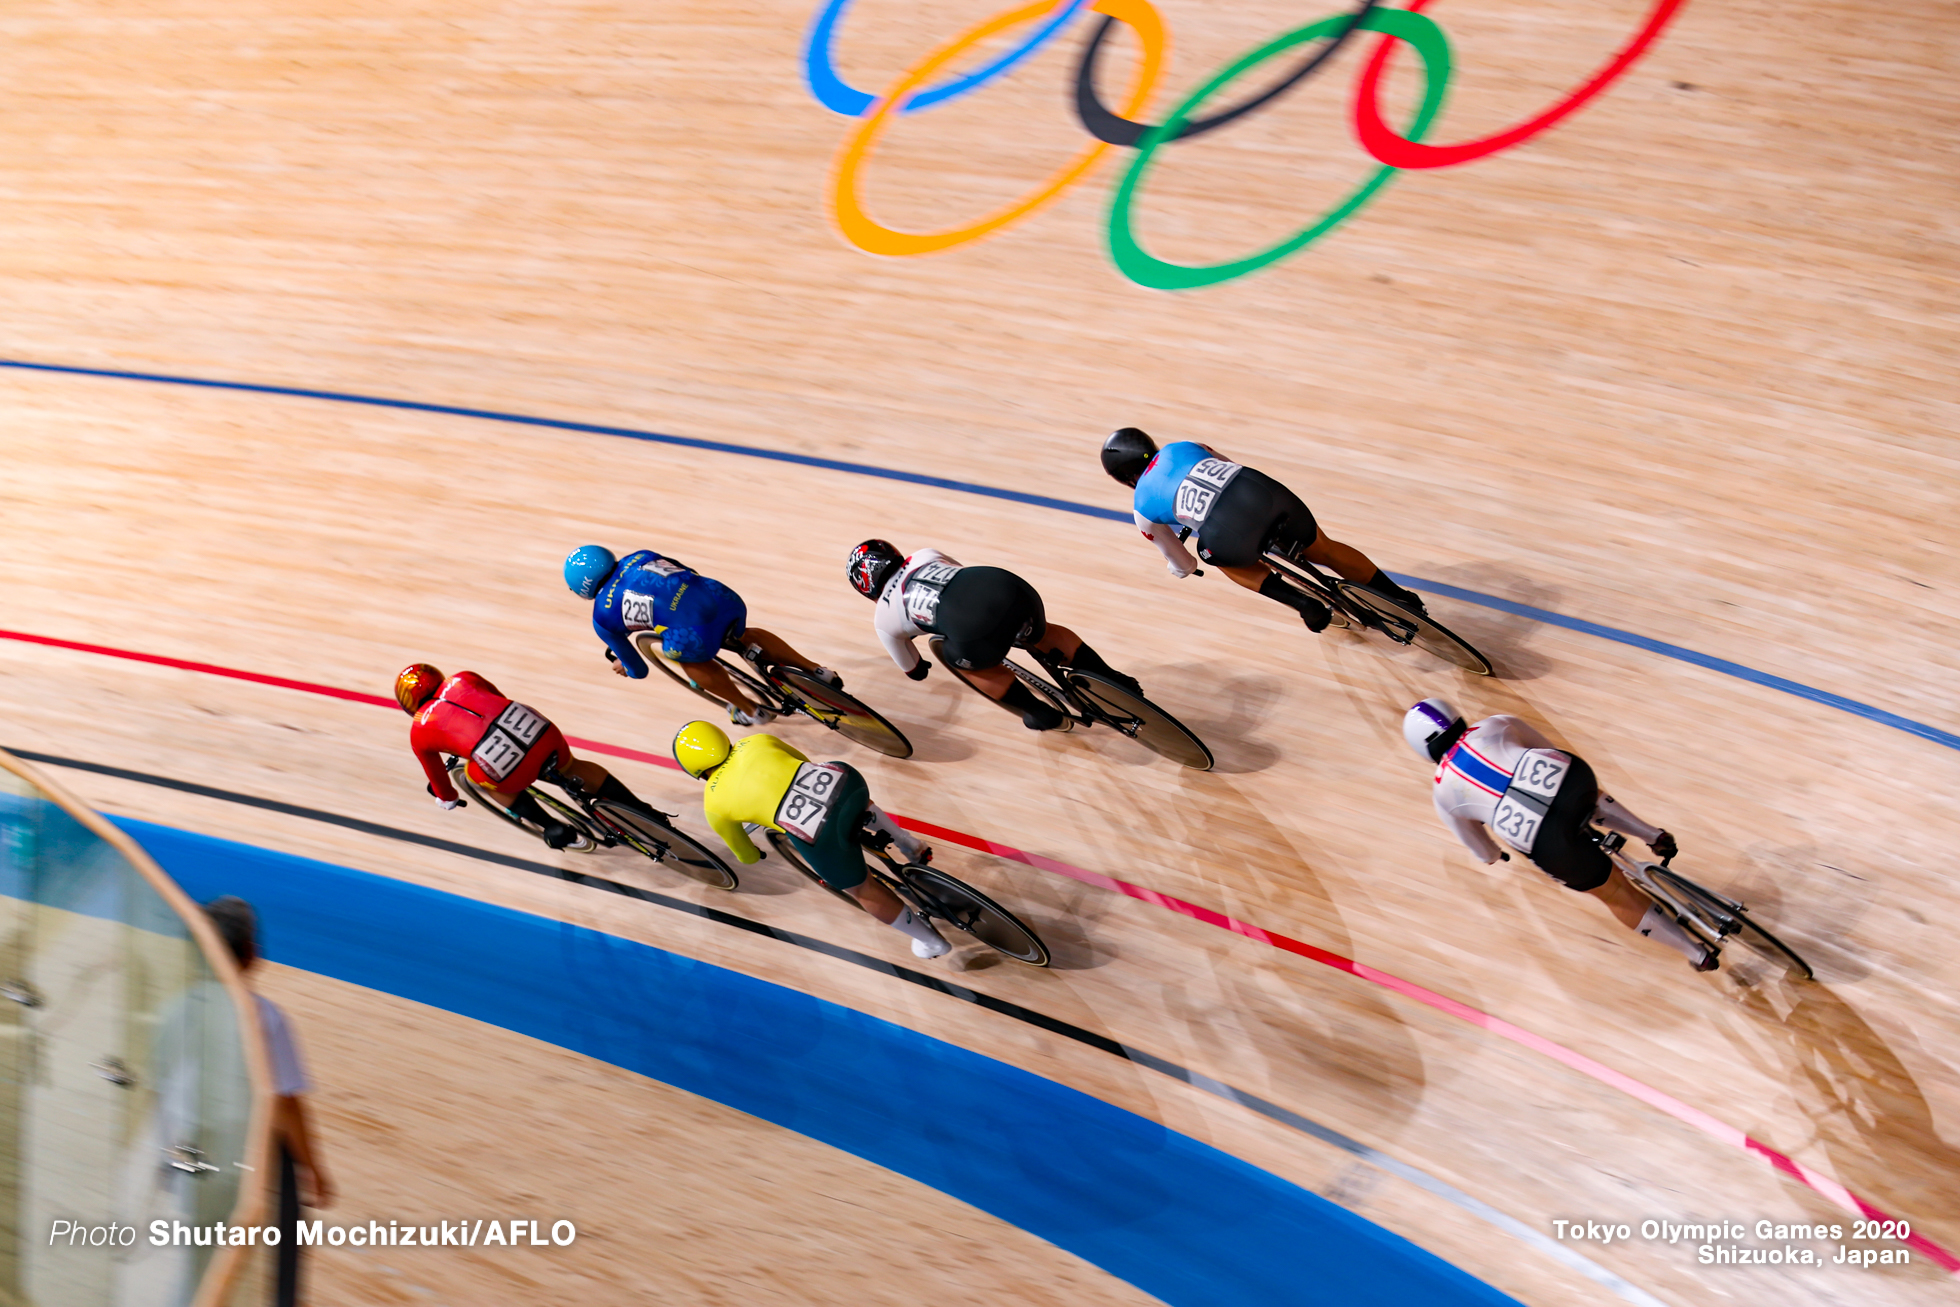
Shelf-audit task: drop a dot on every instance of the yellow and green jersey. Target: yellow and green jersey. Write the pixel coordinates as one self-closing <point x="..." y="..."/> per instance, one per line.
<point x="749" y="788"/>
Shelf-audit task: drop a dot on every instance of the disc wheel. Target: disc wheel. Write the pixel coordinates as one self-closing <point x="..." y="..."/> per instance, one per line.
<point x="1728" y="919"/>
<point x="845" y="715"/>
<point x="1144" y="722"/>
<point x="649" y="646"/>
<point x="787" y="851"/>
<point x="1040" y="688"/>
<point x="584" y="840"/>
<point x="655" y="839"/>
<point x="960" y="905"/>
<point x="1407" y="627"/>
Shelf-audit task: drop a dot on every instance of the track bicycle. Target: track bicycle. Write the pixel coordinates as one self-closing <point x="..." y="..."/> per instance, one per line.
<point x="785" y="690"/>
<point x="1709" y="917"/>
<point x="1085" y="699"/>
<point x="606" y="823"/>
<point x="931" y="894"/>
<point x="1356" y="607"/>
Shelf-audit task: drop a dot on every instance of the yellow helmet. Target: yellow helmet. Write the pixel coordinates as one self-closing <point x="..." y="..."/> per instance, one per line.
<point x="700" y="747"/>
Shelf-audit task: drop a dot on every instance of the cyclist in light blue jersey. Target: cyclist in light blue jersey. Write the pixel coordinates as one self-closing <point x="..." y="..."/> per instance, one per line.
<point x="1236" y="512"/>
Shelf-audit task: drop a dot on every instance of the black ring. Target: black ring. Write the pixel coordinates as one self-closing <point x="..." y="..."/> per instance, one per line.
<point x="1105" y="125"/>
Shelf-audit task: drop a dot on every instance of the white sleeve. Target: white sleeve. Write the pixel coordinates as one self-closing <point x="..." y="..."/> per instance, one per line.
<point x="1471" y="831"/>
<point x="1177" y="559"/>
<point x="898" y="643"/>
<point x="1520" y="732"/>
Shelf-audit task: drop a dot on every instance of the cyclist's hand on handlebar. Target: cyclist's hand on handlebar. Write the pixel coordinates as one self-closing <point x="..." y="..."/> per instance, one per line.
<point x="618" y="668"/>
<point x="923" y="670"/>
<point x="1503" y="856"/>
<point x="1665" y="847"/>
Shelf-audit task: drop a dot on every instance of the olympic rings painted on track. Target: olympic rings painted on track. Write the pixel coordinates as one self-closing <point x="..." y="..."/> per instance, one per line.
<point x="1400" y="152"/>
<point x="1147" y="270"/>
<point x="865" y="233"/>
<point x="833" y="94"/>
<point x="1104" y="125"/>
<point x="1109" y="127"/>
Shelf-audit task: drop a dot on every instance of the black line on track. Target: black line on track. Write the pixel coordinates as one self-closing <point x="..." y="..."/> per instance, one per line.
<point x="1040" y="1020"/>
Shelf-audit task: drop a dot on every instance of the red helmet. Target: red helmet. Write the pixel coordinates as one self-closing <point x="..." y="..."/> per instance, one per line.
<point x="872" y="564"/>
<point x="417" y="684"/>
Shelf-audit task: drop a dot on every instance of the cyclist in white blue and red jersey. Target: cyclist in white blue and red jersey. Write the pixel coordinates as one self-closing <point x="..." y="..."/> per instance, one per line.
<point x="1187" y="490"/>
<point x="1503" y="776"/>
<point x="695" y="616"/>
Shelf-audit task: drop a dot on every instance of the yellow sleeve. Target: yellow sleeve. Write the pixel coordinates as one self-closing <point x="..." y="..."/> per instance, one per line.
<point x="735" y="838"/>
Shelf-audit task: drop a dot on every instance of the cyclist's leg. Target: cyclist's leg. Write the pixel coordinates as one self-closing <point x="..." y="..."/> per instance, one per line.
<point x="514" y="790"/>
<point x="983" y="613"/>
<point x="719" y="614"/>
<point x="1616" y="817"/>
<point x="837" y="856"/>
<point x="1355" y="566"/>
<point x="1567" y="849"/>
<point x="774" y="648"/>
<point x="598" y="781"/>
<point x="1252" y="511"/>
<point x="911" y="846"/>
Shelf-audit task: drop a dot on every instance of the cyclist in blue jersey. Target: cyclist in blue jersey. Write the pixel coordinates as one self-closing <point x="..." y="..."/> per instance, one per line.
<point x="1187" y="489"/>
<point x="695" y="616"/>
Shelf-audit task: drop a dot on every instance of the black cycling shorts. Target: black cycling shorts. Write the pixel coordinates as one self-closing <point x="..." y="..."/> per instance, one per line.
<point x="1244" y="517"/>
<point x="1566" y="849"/>
<point x="983" y="613"/>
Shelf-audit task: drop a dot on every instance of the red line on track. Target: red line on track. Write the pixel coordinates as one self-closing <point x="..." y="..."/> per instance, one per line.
<point x="1674" y="1107"/>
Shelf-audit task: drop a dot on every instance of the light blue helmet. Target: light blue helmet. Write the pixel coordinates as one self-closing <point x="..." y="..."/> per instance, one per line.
<point x="586" y="569"/>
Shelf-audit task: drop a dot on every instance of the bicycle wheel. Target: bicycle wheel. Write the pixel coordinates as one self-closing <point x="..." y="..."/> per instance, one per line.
<point x="1041" y="689"/>
<point x="844" y="714"/>
<point x="1730" y="919"/>
<point x="647" y="834"/>
<point x="787" y="851"/>
<point x="1143" y="721"/>
<point x="959" y="904"/>
<point x="1407" y="627"/>
<point x="583" y="841"/>
<point x="649" y="646"/>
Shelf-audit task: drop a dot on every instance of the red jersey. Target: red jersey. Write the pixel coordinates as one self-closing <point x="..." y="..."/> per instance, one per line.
<point x="506" y="743"/>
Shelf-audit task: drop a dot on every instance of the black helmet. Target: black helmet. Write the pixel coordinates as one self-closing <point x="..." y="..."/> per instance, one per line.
<point x="872" y="564"/>
<point x="1126" y="453"/>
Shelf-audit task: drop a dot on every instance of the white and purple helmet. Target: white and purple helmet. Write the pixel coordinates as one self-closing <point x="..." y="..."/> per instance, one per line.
<point x="1431" y="727"/>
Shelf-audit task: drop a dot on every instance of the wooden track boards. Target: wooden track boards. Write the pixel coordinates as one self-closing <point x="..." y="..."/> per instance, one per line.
<point x="1679" y="367"/>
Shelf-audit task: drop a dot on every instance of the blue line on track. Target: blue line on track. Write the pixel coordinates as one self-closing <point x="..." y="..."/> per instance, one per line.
<point x="1579" y="624"/>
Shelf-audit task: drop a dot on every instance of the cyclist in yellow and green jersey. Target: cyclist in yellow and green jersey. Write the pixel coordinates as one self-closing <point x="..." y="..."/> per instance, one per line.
<point x="820" y="807"/>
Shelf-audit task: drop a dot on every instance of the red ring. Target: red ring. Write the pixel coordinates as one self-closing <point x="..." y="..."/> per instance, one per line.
<point x="1380" y="140"/>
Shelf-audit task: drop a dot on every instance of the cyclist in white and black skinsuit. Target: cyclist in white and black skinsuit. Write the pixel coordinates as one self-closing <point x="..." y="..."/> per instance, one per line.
<point x="1503" y="775"/>
<point x="981" y="613"/>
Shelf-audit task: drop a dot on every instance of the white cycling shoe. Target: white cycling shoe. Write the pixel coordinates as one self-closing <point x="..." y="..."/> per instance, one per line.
<point x="936" y="947"/>
<point x="751" y="717"/>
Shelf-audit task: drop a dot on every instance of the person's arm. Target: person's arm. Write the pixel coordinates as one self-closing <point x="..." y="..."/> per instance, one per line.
<point x="1522" y="731"/>
<point x="1475" y="838"/>
<point x="735" y="837"/>
<point x="896" y="633"/>
<point x="431" y="760"/>
<point x="1177" y="559"/>
<point x="620" y="646"/>
<point x="295" y="1130"/>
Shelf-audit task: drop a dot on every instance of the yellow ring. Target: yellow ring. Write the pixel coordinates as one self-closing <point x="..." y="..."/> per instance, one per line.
<point x="859" y="228"/>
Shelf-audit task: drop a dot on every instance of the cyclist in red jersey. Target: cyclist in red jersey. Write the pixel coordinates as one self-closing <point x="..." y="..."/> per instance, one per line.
<point x="505" y="744"/>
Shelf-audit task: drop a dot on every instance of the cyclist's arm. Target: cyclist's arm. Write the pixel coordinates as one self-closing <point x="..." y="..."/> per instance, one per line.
<point x="622" y="649"/>
<point x="431" y="760"/>
<point x="735" y="837"/>
<point x="896" y="632"/>
<point x="1520" y="732"/>
<point x="1177" y="558"/>
<point x="1469" y="830"/>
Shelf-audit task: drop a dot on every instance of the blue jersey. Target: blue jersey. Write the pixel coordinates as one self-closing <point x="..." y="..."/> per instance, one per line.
<point x="692" y="614"/>
<point x="1156" y="499"/>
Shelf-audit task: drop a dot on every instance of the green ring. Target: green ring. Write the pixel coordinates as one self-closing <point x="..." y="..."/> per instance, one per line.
<point x="1148" y="270"/>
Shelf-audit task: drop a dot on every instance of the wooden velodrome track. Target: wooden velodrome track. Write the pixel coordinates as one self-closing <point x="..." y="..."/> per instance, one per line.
<point x="1680" y="366"/>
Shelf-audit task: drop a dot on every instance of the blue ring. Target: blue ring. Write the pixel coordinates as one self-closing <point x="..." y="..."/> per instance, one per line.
<point x="834" y="95"/>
